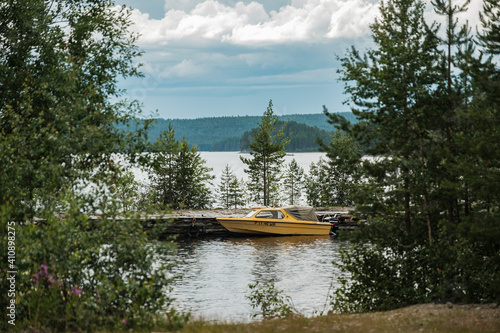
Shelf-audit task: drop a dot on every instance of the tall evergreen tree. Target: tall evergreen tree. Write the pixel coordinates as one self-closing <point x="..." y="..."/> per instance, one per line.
<point x="180" y="178"/>
<point x="237" y="194"/>
<point x="193" y="178"/>
<point x="490" y="20"/>
<point x="224" y="190"/>
<point x="268" y="152"/>
<point x="409" y="110"/>
<point x="392" y="94"/>
<point x="164" y="168"/>
<point x="293" y="178"/>
<point x="319" y="193"/>
<point x="479" y="161"/>
<point x="343" y="159"/>
<point x="451" y="97"/>
<point x="231" y="192"/>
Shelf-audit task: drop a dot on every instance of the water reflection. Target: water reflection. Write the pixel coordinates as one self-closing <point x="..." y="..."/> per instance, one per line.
<point x="216" y="273"/>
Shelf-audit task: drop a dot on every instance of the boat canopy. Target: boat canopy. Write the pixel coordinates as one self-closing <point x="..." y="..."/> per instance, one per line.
<point x="301" y="213"/>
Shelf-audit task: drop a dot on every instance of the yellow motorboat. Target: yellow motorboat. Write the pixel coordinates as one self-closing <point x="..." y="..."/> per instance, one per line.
<point x="289" y="220"/>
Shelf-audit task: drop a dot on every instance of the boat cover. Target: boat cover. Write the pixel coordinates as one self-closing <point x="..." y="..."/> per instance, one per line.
<point x="301" y="213"/>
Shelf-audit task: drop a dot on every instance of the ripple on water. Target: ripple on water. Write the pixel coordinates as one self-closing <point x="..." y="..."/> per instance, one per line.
<point x="216" y="273"/>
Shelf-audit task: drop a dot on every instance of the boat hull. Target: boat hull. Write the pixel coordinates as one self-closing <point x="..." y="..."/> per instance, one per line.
<point x="274" y="227"/>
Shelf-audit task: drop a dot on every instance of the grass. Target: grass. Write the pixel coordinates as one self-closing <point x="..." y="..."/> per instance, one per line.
<point x="418" y="318"/>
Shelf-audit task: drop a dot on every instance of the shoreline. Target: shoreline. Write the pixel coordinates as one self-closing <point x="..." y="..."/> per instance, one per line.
<point x="415" y="318"/>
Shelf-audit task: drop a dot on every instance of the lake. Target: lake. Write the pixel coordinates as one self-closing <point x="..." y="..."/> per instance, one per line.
<point x="216" y="273"/>
<point x="218" y="161"/>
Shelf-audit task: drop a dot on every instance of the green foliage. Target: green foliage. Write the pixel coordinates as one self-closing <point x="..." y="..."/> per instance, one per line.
<point x="59" y="63"/>
<point x="268" y="152"/>
<point x="430" y="117"/>
<point x="386" y="273"/>
<point x="293" y="182"/>
<point x="333" y="182"/>
<point x="231" y="190"/>
<point x="271" y="301"/>
<point x="180" y="176"/>
<point x="302" y="137"/>
<point x="225" y="133"/>
<point x="393" y="99"/>
<point x="490" y="18"/>
<point x="77" y="273"/>
<point x="317" y="184"/>
<point x="61" y="161"/>
<point x="126" y="190"/>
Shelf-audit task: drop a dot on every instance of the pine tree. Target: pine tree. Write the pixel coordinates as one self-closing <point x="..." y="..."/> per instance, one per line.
<point x="392" y="94"/>
<point x="343" y="162"/>
<point x="165" y="168"/>
<point x="312" y="185"/>
<point x="490" y="20"/>
<point x="268" y="152"/>
<point x="451" y="97"/>
<point x="293" y="182"/>
<point x="224" y="190"/>
<point x="237" y="193"/>
<point x="180" y="178"/>
<point x="427" y="111"/>
<point x="319" y="193"/>
<point x="193" y="178"/>
<point x="231" y="190"/>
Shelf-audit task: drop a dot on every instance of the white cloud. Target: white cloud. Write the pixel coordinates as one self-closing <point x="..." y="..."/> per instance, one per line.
<point x="352" y="19"/>
<point x="248" y="24"/>
<point x="308" y="21"/>
<point x="223" y="48"/>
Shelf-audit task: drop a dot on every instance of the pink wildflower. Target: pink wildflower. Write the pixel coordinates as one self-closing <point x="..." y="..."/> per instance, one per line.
<point x="75" y="290"/>
<point x="124" y="321"/>
<point x="44" y="273"/>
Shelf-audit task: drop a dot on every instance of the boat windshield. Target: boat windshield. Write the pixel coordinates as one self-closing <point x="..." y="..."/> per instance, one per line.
<point x="252" y="213"/>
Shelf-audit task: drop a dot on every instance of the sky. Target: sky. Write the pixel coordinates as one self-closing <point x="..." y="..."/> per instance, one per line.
<point x="211" y="58"/>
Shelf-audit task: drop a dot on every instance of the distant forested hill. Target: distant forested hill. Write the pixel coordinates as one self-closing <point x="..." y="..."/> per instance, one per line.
<point x="225" y="133"/>
<point x="302" y="137"/>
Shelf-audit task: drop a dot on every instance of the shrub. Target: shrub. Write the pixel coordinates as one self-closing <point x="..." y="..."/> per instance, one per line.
<point x="77" y="273"/>
<point x="271" y="301"/>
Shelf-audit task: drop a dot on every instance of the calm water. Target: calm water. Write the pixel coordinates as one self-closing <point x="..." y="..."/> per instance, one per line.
<point x="218" y="161"/>
<point x="216" y="273"/>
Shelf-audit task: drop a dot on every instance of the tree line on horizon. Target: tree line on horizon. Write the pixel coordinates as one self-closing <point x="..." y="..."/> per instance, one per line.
<point x="232" y="133"/>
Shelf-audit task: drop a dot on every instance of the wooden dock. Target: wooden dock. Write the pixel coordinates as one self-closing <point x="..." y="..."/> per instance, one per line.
<point x="180" y="223"/>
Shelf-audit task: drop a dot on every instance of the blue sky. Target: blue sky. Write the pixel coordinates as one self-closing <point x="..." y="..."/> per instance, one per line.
<point x="207" y="58"/>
